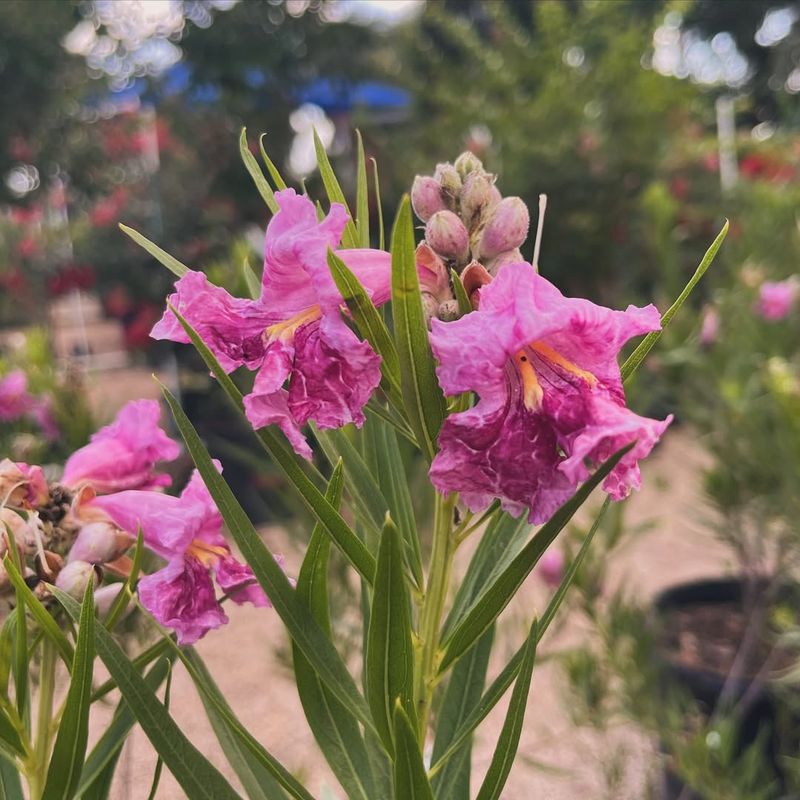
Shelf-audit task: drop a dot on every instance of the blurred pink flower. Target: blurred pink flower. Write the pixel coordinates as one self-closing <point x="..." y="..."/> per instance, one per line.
<point x="186" y="531"/>
<point x="123" y="455"/>
<point x="551" y="567"/>
<point x="294" y="331"/>
<point x="551" y="402"/>
<point x="776" y="298"/>
<point x="709" y="329"/>
<point x="15" y="400"/>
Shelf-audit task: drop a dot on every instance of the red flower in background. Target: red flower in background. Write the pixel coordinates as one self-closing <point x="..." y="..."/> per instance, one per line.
<point x="73" y="276"/>
<point x="108" y="210"/>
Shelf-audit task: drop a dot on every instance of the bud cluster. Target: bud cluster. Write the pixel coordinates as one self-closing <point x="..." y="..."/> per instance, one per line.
<point x="58" y="538"/>
<point x="469" y="227"/>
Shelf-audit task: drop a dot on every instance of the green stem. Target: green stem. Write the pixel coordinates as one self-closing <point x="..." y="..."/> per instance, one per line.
<point x="44" y="712"/>
<point x="433" y="605"/>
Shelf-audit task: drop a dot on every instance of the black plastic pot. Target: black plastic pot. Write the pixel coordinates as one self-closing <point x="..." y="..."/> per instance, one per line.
<point x="705" y="685"/>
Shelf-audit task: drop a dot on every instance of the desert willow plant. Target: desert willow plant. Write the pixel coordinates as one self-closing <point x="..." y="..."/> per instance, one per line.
<point x="505" y="392"/>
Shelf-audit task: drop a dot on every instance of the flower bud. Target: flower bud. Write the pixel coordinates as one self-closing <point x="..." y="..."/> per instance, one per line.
<point x="426" y="197"/>
<point x="13" y="483"/>
<point x="99" y="542"/>
<point x="450" y="181"/>
<point x="74" y="578"/>
<point x="466" y="163"/>
<point x="509" y="257"/>
<point x="448" y="311"/>
<point x="433" y="276"/>
<point x="473" y="277"/>
<point x="551" y="567"/>
<point x="105" y="596"/>
<point x="507" y="227"/>
<point x="476" y="197"/>
<point x="447" y="236"/>
<point x="430" y="306"/>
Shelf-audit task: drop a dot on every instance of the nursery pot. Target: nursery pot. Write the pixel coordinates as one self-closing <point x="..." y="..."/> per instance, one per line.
<point x="699" y="627"/>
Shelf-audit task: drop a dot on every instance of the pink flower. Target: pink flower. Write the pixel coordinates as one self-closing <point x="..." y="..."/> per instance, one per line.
<point x="294" y="332"/>
<point x="123" y="455"/>
<point x="776" y="298"/>
<point x="551" y="402"/>
<point x="709" y="329"/>
<point x="186" y="531"/>
<point x="15" y="401"/>
<point x="22" y="485"/>
<point x="551" y="567"/>
<point x="41" y="412"/>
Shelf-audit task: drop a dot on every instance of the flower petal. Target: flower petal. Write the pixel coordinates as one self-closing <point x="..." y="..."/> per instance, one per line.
<point x="231" y="574"/>
<point x="181" y="597"/>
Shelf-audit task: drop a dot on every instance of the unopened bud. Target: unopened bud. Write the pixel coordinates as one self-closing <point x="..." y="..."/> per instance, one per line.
<point x="99" y="542"/>
<point x="473" y="277"/>
<point x="426" y="197"/>
<point x="468" y="162"/>
<point x="509" y="257"/>
<point x="551" y="567"/>
<point x="105" y="596"/>
<point x="507" y="227"/>
<point x="432" y="272"/>
<point x="448" y="311"/>
<point x="75" y="576"/>
<point x="476" y="197"/>
<point x="450" y="181"/>
<point x="446" y="235"/>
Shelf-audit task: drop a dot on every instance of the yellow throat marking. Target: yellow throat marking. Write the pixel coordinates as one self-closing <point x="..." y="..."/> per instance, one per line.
<point x="207" y="554"/>
<point x="286" y="330"/>
<point x="545" y="351"/>
<point x="532" y="392"/>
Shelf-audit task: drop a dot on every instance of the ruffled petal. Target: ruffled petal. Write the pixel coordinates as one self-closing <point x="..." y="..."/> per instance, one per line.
<point x="231" y="327"/>
<point x="123" y="455"/>
<point x="181" y="597"/>
<point x="334" y="374"/>
<point x="232" y="574"/>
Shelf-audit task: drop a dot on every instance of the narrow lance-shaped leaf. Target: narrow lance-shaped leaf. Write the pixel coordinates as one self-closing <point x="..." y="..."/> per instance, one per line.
<point x="170" y="262"/>
<point x="464" y="305"/>
<point x="368" y="320"/>
<point x="332" y="522"/>
<point x="195" y="774"/>
<point x="508" y="742"/>
<point x="410" y="780"/>
<point x="422" y="396"/>
<point x="159" y="768"/>
<point x="251" y="280"/>
<point x="42" y="616"/>
<point x="635" y="359"/>
<point x="362" y="194"/>
<point x="299" y="623"/>
<point x="250" y="163"/>
<point x="389" y="656"/>
<point x="489" y="605"/>
<point x="69" y="750"/>
<point x="10" y="785"/>
<point x="333" y="725"/>
<point x="334" y="191"/>
<point x="277" y="179"/>
<point x="506" y="677"/>
<point x="379" y="204"/>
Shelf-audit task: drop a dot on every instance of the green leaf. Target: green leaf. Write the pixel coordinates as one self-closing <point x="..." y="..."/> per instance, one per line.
<point x="10" y="785"/>
<point x="109" y="746"/>
<point x="381" y="235"/>
<point x="140" y="662"/>
<point x="7" y="638"/>
<point x="386" y="461"/>
<point x="126" y="593"/>
<point x="250" y="163"/>
<point x="500" y="684"/>
<point x="422" y="396"/>
<point x="40" y="613"/>
<point x="271" y="168"/>
<point x="257" y="781"/>
<point x="369" y="322"/>
<point x="464" y="690"/>
<point x="195" y="774"/>
<point x="500" y="543"/>
<point x="389" y="654"/>
<point x="508" y="742"/>
<point x="334" y="191"/>
<point x="362" y="194"/>
<point x="251" y="279"/>
<point x="9" y="736"/>
<point x="635" y="359"/>
<point x="489" y="605"/>
<point x="299" y="623"/>
<point x="410" y="780"/>
<point x="170" y="262"/>
<point x="464" y="305"/>
<point x="66" y="763"/>
<point x="335" y="728"/>
<point x="332" y="522"/>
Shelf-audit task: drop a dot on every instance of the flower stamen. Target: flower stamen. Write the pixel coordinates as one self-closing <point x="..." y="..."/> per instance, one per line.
<point x="207" y="554"/>
<point x="553" y="356"/>
<point x="532" y="392"/>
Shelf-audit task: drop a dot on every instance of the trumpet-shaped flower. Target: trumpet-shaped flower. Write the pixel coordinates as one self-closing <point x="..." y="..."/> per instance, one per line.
<point x="123" y="455"/>
<point x="551" y="403"/>
<point x="294" y="331"/>
<point x="186" y="531"/>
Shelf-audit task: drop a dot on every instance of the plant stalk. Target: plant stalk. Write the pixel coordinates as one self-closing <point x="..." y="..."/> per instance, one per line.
<point x="441" y="564"/>
<point x="44" y="712"/>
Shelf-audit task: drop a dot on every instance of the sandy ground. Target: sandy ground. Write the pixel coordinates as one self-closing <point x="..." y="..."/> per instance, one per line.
<point x="242" y="658"/>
